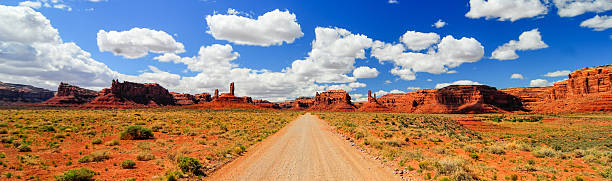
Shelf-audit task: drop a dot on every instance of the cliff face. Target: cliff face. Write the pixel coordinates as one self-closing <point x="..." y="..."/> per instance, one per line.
<point x="453" y="99"/>
<point x="129" y="94"/>
<point x="17" y="93"/>
<point x="184" y="99"/>
<point x="585" y="90"/>
<point x="332" y="100"/>
<point x="69" y="95"/>
<point x="300" y="103"/>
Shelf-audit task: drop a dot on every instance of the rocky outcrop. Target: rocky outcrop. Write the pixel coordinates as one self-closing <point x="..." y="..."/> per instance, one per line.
<point x="184" y="99"/>
<point x="372" y="105"/>
<point x="230" y="100"/>
<point x="69" y="95"/>
<point x="585" y="90"/>
<point x="19" y="94"/>
<point x="203" y="97"/>
<point x="301" y="103"/>
<point x="332" y="100"/>
<point x="266" y="104"/>
<point x="129" y="95"/>
<point x="453" y="99"/>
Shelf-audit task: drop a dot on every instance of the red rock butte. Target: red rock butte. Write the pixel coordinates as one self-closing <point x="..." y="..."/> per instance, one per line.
<point x="585" y="90"/>
<point x="69" y="95"/>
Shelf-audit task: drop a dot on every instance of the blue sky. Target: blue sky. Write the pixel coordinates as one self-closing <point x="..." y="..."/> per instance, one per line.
<point x="568" y="45"/>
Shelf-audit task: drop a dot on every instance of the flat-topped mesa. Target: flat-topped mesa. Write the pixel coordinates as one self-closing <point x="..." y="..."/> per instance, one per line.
<point x="453" y="99"/>
<point x="184" y="99"/>
<point x="69" y="95"/>
<point x="266" y="104"/>
<point x="333" y="100"/>
<point x="130" y="95"/>
<point x="300" y="103"/>
<point x="19" y="94"/>
<point x="585" y="90"/>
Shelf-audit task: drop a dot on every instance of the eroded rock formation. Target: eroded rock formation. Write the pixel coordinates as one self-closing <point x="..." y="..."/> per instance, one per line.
<point x="332" y="100"/>
<point x="18" y="93"/>
<point x="70" y="95"/>
<point x="184" y="99"/>
<point x="300" y="103"/>
<point x="203" y="97"/>
<point x="372" y="105"/>
<point x="453" y="99"/>
<point x="129" y="94"/>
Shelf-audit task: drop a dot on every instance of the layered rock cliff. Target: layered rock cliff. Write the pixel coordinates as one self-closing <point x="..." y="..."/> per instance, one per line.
<point x="18" y="93"/>
<point x="332" y="100"/>
<point x="70" y="95"/>
<point x="130" y="94"/>
<point x="453" y="99"/>
<point x="184" y="99"/>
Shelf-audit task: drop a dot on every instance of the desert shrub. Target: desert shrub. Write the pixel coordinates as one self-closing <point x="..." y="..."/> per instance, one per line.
<point x="136" y="132"/>
<point x="96" y="141"/>
<point x="238" y="150"/>
<point x="47" y="128"/>
<point x="128" y="164"/>
<point x="24" y="148"/>
<point x="496" y="149"/>
<point x="359" y="135"/>
<point x="387" y="134"/>
<point x="606" y="173"/>
<point x="190" y="165"/>
<point x="474" y="156"/>
<point x="112" y="143"/>
<point x="79" y="174"/>
<point x="145" y="156"/>
<point x="447" y="166"/>
<point x="543" y="151"/>
<point x="3" y="131"/>
<point x="96" y="156"/>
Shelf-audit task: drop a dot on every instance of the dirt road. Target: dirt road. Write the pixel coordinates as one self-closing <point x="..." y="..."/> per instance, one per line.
<point x="304" y="150"/>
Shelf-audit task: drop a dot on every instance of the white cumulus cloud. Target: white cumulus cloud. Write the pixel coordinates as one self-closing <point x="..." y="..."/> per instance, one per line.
<point x="528" y="40"/>
<point x="449" y="53"/>
<point x="516" y="76"/>
<point x="459" y="82"/>
<point x="540" y="83"/>
<point x="559" y="73"/>
<point x="137" y="42"/>
<point x="439" y="24"/>
<point x="365" y="72"/>
<point x="571" y="8"/>
<point x="32" y="4"/>
<point x="32" y="52"/>
<point x="598" y="23"/>
<point x="506" y="9"/>
<point x="419" y="41"/>
<point x="271" y="28"/>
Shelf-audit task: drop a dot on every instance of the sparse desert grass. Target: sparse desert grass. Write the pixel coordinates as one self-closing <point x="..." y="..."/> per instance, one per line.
<point x="56" y="143"/>
<point x="521" y="147"/>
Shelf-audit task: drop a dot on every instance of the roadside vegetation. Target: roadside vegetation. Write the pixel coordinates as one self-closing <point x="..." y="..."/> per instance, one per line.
<point x="489" y="147"/>
<point x="135" y="144"/>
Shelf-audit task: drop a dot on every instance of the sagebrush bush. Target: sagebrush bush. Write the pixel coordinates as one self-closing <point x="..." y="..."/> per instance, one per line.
<point x="190" y="165"/>
<point x="128" y="164"/>
<point x="543" y="151"/>
<point x="112" y="143"/>
<point x="96" y="156"/>
<point x="79" y="174"/>
<point x="96" y="141"/>
<point x="136" y="132"/>
<point x="145" y="156"/>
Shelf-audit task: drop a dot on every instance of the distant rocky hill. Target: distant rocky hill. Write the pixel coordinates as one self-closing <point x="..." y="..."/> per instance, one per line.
<point x="18" y="93"/>
<point x="70" y="95"/>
